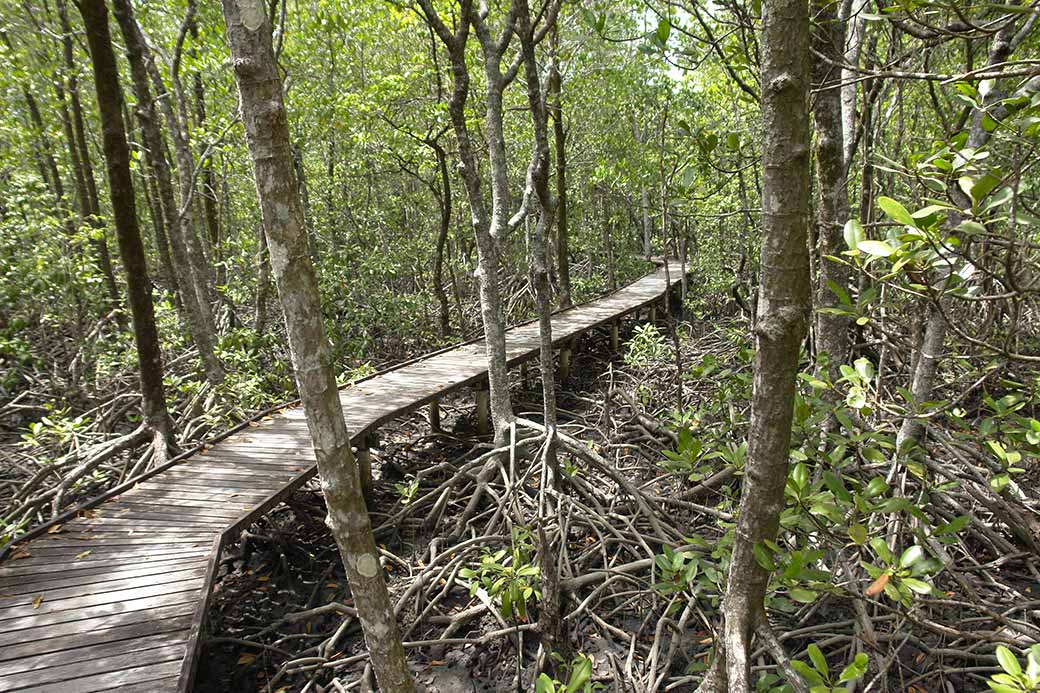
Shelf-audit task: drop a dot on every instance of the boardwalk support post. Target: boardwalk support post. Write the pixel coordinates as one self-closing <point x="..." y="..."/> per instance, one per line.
<point x="364" y="463"/>
<point x="523" y="374"/>
<point x="565" y="360"/>
<point x="614" y="337"/>
<point x="653" y="313"/>
<point x="434" y="414"/>
<point x="483" y="409"/>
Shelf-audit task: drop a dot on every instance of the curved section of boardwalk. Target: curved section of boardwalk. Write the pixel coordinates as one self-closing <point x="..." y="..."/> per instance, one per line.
<point x="114" y="599"/>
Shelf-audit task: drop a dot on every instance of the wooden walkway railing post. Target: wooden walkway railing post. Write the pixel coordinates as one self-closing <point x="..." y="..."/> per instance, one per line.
<point x="565" y="359"/>
<point x="434" y="414"/>
<point x="483" y="408"/>
<point x="364" y="463"/>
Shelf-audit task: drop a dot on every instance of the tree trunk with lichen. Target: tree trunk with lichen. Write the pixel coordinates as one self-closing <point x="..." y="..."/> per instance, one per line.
<point x="267" y="138"/>
<point x="783" y="316"/>
<point x="489" y="226"/>
<point x="550" y="622"/>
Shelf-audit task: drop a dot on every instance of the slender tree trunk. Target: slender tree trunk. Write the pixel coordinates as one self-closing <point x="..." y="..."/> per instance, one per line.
<point x="83" y="170"/>
<point x="648" y="224"/>
<point x="550" y="622"/>
<point x="52" y="176"/>
<point x="563" y="263"/>
<point x="784" y="310"/>
<point x="489" y="235"/>
<point x="207" y="185"/>
<point x="267" y="137"/>
<point x="537" y="247"/>
<point x="854" y="28"/>
<point x="443" y="314"/>
<point x="120" y="183"/>
<point x="486" y="227"/>
<point x="183" y="242"/>
<point x="263" y="283"/>
<point x="828" y="40"/>
<point x="608" y="242"/>
<point x="922" y="382"/>
<point x="162" y="242"/>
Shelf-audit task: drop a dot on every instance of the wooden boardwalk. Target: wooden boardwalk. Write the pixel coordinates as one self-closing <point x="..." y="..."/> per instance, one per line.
<point x="113" y="597"/>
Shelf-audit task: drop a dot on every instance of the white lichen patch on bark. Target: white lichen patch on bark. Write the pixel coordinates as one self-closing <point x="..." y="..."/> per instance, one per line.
<point x="252" y="13"/>
<point x="368" y="565"/>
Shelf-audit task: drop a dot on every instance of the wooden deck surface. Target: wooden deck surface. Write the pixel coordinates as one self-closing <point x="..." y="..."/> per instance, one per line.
<point x="114" y="599"/>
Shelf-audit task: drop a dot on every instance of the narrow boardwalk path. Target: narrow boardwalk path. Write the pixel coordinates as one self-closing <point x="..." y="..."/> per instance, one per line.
<point x="114" y="599"/>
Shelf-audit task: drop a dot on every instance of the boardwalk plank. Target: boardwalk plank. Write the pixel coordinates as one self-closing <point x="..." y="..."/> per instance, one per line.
<point x="118" y="679"/>
<point x="172" y="616"/>
<point x="77" y="604"/>
<point x="53" y="595"/>
<point x="45" y="583"/>
<point x="41" y="564"/>
<point x="93" y="651"/>
<point x="91" y="612"/>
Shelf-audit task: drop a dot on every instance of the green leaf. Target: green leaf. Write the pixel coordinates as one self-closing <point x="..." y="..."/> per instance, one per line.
<point x="912" y="555"/>
<point x="664" y="30"/>
<point x="800" y="475"/>
<point x="856" y="669"/>
<point x="811" y="676"/>
<point x="881" y="549"/>
<point x="818" y="660"/>
<point x="764" y="557"/>
<point x="895" y="211"/>
<point x="984" y="186"/>
<point x="853" y="233"/>
<point x="1001" y="688"/>
<point x="544" y="684"/>
<point x="876" y="248"/>
<point x="919" y="586"/>
<point x="1008" y="661"/>
<point x="802" y="595"/>
<point x="929" y="211"/>
<point x="580" y="674"/>
<point x="865" y="368"/>
<point x="836" y="486"/>
<point x="858" y="533"/>
<point x="876" y="487"/>
<point x="971" y="227"/>
<point x="953" y="526"/>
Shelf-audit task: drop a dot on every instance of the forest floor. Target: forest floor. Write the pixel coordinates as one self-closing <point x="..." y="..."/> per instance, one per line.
<point x="642" y="566"/>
